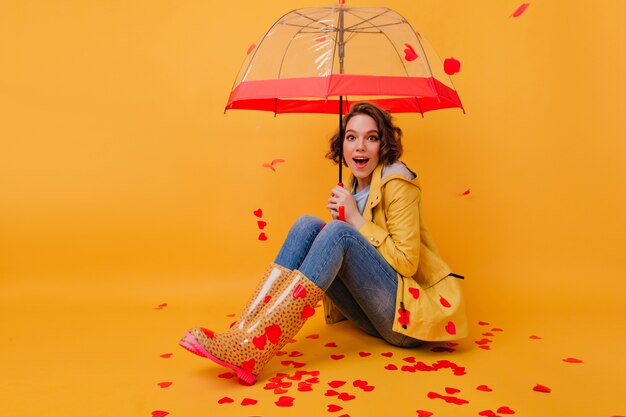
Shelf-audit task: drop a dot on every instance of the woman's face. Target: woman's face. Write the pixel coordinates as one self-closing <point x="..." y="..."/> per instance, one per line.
<point x="361" y="148"/>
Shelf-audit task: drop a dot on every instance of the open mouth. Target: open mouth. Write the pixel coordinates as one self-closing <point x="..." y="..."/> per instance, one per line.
<point x="360" y="162"/>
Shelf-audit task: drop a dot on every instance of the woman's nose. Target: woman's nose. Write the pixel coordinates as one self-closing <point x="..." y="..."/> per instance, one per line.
<point x="360" y="144"/>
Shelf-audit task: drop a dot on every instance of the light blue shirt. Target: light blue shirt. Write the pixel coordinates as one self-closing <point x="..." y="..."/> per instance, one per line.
<point x="361" y="197"/>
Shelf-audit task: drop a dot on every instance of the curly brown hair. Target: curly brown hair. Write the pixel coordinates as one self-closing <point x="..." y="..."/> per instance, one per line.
<point x="390" y="134"/>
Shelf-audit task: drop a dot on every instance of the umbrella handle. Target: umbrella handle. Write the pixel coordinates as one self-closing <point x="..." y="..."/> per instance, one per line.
<point x="342" y="209"/>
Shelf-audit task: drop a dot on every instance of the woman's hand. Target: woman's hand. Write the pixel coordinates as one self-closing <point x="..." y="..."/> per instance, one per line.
<point x="339" y="196"/>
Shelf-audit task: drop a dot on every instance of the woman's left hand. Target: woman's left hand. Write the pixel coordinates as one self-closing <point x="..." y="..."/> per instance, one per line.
<point x="341" y="197"/>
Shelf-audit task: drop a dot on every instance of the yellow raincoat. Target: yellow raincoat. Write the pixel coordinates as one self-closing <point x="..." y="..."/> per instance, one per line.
<point x="429" y="302"/>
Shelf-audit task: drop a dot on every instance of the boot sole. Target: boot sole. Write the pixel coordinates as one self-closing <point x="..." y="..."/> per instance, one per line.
<point x="190" y="343"/>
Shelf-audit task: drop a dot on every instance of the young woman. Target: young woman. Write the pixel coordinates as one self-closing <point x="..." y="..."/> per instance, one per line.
<point x="379" y="268"/>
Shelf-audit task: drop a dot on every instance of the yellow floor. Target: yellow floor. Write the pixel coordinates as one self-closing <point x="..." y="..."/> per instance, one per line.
<point x="70" y="350"/>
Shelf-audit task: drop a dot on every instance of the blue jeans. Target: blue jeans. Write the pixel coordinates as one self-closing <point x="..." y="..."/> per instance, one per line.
<point x="339" y="260"/>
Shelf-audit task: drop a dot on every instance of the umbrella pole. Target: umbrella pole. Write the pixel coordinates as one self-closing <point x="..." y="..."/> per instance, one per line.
<point x="340" y="138"/>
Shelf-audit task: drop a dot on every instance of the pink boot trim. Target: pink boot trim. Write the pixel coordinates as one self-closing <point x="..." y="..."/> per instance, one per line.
<point x="191" y="344"/>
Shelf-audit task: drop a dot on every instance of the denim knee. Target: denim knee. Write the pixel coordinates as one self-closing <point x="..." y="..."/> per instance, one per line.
<point x="307" y="222"/>
<point x="337" y="227"/>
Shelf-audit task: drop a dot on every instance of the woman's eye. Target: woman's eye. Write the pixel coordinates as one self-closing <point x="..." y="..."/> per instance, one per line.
<point x="373" y="138"/>
<point x="350" y="137"/>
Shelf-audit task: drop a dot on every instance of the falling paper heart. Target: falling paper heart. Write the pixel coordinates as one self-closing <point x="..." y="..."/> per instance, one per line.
<point x="285" y="401"/>
<point x="331" y="345"/>
<point x="337" y="357"/>
<point x="344" y="396"/>
<point x="336" y="383"/>
<point x="484" y="388"/>
<point x="409" y="53"/>
<point x="164" y="384"/>
<point x="520" y="10"/>
<point x="444" y="302"/>
<point x="258" y="213"/>
<point x="271" y="164"/>
<point x="505" y="410"/>
<point x="422" y="413"/>
<point x="159" y="413"/>
<point x="451" y="66"/>
<point x="572" y="360"/>
<point x="534" y="337"/>
<point x="250" y="49"/>
<point x="332" y="408"/>
<point x="248" y="401"/>
<point x="331" y="393"/>
<point x="391" y="367"/>
<point x="487" y="413"/>
<point x="261" y="224"/>
<point x="262" y="236"/>
<point x="542" y="388"/>
<point x="166" y="355"/>
<point x="483" y="323"/>
<point x="452" y="391"/>
<point x="225" y="400"/>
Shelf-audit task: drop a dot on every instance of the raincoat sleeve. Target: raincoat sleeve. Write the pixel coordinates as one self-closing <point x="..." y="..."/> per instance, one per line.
<point x="398" y="241"/>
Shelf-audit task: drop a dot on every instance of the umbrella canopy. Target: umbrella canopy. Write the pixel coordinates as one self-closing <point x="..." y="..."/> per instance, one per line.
<point x="318" y="60"/>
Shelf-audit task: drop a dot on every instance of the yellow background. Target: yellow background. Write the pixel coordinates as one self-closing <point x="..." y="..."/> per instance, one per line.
<point x="122" y="182"/>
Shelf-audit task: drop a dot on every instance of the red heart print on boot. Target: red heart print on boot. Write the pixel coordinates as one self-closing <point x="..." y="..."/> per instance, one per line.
<point x="259" y="341"/>
<point x="444" y="302"/>
<point x="299" y="292"/>
<point x="451" y="328"/>
<point x="248" y="365"/>
<point x="307" y="312"/>
<point x="273" y="333"/>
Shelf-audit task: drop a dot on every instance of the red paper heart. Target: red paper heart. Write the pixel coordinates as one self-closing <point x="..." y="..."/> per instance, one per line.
<point x="415" y="292"/>
<point x="225" y="400"/>
<point x="409" y="53"/>
<point x="299" y="291"/>
<point x="422" y="413"/>
<point x="344" y="396"/>
<point x="226" y="375"/>
<point x="444" y="302"/>
<point x="295" y="354"/>
<point x="164" y="384"/>
<point x="387" y="354"/>
<point x="260" y="342"/>
<point x="483" y="342"/>
<point x="248" y="401"/>
<point x="261" y="224"/>
<point x="466" y="192"/>
<point x="359" y="383"/>
<point x="279" y="391"/>
<point x="572" y="360"/>
<point x="248" y="365"/>
<point x="484" y="388"/>
<point x="364" y="354"/>
<point x="483" y="323"/>
<point x="304" y="387"/>
<point x="258" y="213"/>
<point x="262" y="236"/>
<point x="285" y="401"/>
<point x="505" y="410"/>
<point x="298" y="364"/>
<point x="451" y="328"/>
<point x="159" y="413"/>
<point x="534" y="337"/>
<point x="520" y="10"/>
<point x="488" y="334"/>
<point x="250" y="49"/>
<point x="405" y="317"/>
<point x="368" y="388"/>
<point x="331" y="345"/>
<point x="231" y="315"/>
<point x="166" y="355"/>
<point x="330" y="393"/>
<point x="313" y="336"/>
<point x="391" y="367"/>
<point x="313" y="380"/>
<point x="332" y="408"/>
<point x="273" y="333"/>
<point x="487" y="413"/>
<point x="307" y="311"/>
<point x="542" y="388"/>
<point x="452" y="391"/>
<point x="484" y="347"/>
<point x="336" y="383"/>
<point x="497" y="329"/>
<point x="409" y="359"/>
<point x="451" y="66"/>
<point x="407" y="368"/>
<point x="337" y="357"/>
